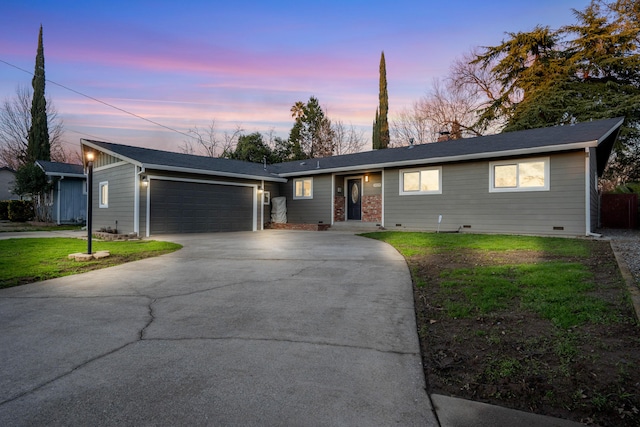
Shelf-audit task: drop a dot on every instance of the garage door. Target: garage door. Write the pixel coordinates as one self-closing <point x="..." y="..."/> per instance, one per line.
<point x="185" y="207"/>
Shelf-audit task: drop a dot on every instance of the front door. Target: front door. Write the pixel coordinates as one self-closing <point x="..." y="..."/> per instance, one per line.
<point x="354" y="199"/>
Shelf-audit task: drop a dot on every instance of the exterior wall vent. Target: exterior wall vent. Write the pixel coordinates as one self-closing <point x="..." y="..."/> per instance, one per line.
<point x="558" y="228"/>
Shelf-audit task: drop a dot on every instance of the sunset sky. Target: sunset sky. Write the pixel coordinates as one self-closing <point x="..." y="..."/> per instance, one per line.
<point x="185" y="63"/>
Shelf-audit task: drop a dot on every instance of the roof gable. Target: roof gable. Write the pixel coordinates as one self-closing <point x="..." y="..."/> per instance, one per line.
<point x="167" y="160"/>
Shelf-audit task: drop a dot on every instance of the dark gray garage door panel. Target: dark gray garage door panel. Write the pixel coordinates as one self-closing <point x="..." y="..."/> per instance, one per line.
<point x="185" y="207"/>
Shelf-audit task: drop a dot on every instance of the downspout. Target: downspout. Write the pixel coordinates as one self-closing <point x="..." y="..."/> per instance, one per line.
<point x="58" y="201"/>
<point x="255" y="207"/>
<point x="382" y="204"/>
<point x="148" y="213"/>
<point x="261" y="201"/>
<point x="333" y="197"/>
<point x="136" y="200"/>
<point x="587" y="176"/>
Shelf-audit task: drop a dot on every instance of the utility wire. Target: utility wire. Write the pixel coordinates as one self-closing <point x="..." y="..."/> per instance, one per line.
<point x="101" y="102"/>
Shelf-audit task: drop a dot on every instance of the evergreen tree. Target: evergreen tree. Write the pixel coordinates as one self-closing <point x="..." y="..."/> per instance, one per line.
<point x="593" y="74"/>
<point x="30" y="179"/>
<point x="39" y="147"/>
<point x="380" y="137"/>
<point x="251" y="148"/>
<point x="311" y="135"/>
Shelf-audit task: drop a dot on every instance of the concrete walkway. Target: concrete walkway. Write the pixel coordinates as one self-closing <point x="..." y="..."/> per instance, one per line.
<point x="267" y="328"/>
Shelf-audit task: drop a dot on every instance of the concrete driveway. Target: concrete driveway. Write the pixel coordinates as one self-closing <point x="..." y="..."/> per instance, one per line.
<point x="265" y="328"/>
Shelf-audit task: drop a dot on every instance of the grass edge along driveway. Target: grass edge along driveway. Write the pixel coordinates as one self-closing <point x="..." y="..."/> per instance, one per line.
<point x="540" y="324"/>
<point x="28" y="260"/>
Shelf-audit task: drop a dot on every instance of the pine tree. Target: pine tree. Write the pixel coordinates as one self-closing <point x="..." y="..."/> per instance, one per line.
<point x="39" y="147"/>
<point x="380" y="137"/>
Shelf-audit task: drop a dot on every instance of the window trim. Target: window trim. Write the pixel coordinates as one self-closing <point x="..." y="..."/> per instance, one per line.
<point x="101" y="185"/>
<point x="296" y="197"/>
<point x="517" y="162"/>
<point x="419" y="192"/>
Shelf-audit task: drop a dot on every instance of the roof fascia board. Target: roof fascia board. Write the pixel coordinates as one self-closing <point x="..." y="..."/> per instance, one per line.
<point x="111" y="153"/>
<point x="451" y="159"/>
<point x="214" y="173"/>
<point x="66" y="175"/>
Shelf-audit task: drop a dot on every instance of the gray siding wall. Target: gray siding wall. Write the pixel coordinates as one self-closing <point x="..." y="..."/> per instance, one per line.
<point x="466" y="200"/>
<point x="310" y="211"/>
<point x="7" y="179"/>
<point x="121" y="180"/>
<point x="72" y="199"/>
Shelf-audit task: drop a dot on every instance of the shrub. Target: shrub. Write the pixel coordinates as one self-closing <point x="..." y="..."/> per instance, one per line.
<point x="20" y="210"/>
<point x="4" y="210"/>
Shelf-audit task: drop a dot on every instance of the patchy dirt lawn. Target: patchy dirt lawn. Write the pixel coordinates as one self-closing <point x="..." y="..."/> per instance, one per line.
<point x="515" y="358"/>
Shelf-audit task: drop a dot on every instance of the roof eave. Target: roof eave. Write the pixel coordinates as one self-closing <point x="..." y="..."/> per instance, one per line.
<point x="66" y="175"/>
<point x="148" y="166"/>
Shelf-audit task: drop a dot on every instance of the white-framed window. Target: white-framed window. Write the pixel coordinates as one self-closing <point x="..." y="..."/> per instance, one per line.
<point x="266" y="198"/>
<point x="519" y="175"/>
<point x="103" y="194"/>
<point x="303" y="188"/>
<point x="421" y="181"/>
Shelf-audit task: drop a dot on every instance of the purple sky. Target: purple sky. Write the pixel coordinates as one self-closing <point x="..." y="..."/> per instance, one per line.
<point x="245" y="63"/>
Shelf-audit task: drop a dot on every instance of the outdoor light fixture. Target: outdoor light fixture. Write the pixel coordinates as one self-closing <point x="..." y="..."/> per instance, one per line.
<point x="89" y="198"/>
<point x="366" y="178"/>
<point x="145" y="181"/>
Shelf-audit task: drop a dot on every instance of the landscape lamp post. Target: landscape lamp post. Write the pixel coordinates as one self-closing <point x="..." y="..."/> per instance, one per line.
<point x="89" y="199"/>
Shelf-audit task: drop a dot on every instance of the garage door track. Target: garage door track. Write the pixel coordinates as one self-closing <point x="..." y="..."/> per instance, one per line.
<point x="265" y="328"/>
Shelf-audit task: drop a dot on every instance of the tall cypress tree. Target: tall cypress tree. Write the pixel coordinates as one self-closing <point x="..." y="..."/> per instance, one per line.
<point x="39" y="147"/>
<point x="380" y="136"/>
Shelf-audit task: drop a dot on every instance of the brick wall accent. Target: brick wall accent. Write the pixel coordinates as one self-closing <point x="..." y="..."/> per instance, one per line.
<point x="338" y="208"/>
<point x="372" y="208"/>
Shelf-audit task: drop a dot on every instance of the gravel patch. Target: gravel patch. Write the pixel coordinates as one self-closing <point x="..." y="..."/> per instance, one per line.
<point x="627" y="244"/>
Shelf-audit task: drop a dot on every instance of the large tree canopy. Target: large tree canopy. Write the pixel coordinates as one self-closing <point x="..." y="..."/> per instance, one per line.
<point x="312" y="134"/>
<point x="584" y="71"/>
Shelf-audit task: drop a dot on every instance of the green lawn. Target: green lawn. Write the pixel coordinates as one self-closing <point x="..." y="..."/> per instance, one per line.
<point x="557" y="289"/>
<point x="29" y="260"/>
<point x="538" y="324"/>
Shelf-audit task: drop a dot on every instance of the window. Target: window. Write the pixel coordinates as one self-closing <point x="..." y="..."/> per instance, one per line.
<point x="103" y="195"/>
<point x="303" y="188"/>
<point x="266" y="198"/>
<point x="421" y="181"/>
<point x="520" y="175"/>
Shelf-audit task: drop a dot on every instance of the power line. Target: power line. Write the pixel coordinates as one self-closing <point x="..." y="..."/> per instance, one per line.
<point x="101" y="102"/>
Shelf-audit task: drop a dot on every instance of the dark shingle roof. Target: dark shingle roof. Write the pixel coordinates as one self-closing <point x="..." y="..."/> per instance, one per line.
<point x="61" y="169"/>
<point x="167" y="160"/>
<point x="527" y="142"/>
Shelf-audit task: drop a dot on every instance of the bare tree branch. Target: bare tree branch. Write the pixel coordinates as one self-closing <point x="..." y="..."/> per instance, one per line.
<point x="15" y="121"/>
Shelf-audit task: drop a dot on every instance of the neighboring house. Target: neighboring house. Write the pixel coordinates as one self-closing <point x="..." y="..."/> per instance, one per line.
<point x="67" y="201"/>
<point x="7" y="178"/>
<point x="538" y="181"/>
